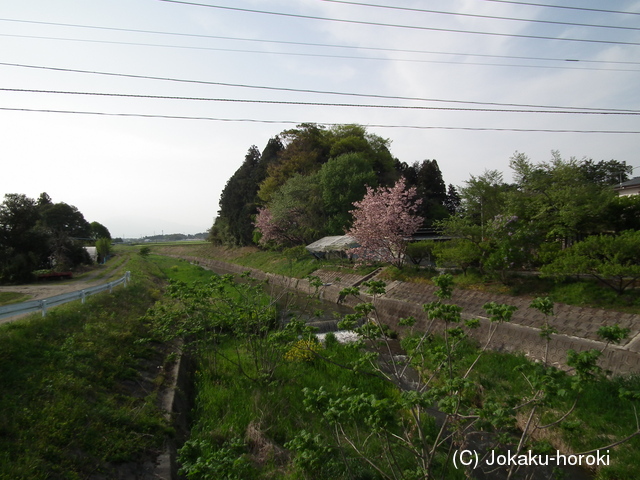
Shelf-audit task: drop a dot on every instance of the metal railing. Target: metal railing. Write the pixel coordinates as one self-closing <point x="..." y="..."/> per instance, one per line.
<point x="45" y="303"/>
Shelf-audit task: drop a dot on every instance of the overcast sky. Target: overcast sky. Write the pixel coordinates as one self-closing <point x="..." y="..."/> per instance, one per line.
<point x="143" y="166"/>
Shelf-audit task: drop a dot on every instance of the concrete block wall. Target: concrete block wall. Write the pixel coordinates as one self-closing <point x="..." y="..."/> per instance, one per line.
<point x="577" y="326"/>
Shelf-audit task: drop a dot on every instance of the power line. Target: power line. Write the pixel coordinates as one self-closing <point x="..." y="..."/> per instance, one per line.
<point x="413" y="27"/>
<point x="474" y="15"/>
<point x="566" y="7"/>
<point x="290" y="122"/>
<point x="350" y="57"/>
<point x="300" y="90"/>
<point x="285" y="42"/>
<point x="317" y="104"/>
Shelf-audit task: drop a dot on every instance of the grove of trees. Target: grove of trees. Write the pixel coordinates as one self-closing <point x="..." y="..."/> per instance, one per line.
<point x="309" y="182"/>
<point x="302" y="186"/>
<point x="40" y="234"/>
<point x="546" y="218"/>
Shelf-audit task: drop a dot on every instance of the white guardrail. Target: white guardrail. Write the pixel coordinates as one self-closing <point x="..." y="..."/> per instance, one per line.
<point x="43" y="304"/>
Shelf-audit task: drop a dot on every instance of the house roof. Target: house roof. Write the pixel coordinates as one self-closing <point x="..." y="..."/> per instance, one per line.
<point x="332" y="244"/>
<point x="634" y="182"/>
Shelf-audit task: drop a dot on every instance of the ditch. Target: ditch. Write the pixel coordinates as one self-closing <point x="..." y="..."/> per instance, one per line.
<point x="323" y="315"/>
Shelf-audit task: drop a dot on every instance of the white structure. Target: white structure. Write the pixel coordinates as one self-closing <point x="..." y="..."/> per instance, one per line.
<point x="332" y="247"/>
<point x="93" y="253"/>
<point x="630" y="187"/>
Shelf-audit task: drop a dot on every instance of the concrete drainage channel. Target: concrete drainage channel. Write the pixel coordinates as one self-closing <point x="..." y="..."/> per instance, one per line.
<point x="176" y="403"/>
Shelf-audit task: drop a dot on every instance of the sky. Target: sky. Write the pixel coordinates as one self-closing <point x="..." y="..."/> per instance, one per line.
<point x="137" y="112"/>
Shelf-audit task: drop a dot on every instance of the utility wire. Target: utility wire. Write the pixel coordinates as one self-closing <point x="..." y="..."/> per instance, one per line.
<point x="350" y="57"/>
<point x="413" y="27"/>
<point x="473" y="15"/>
<point x="370" y="125"/>
<point x="317" y="104"/>
<point x="284" y="42"/>
<point x="566" y="7"/>
<point x="301" y="90"/>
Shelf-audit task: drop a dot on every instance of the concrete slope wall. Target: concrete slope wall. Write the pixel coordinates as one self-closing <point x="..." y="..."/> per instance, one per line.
<point x="577" y="326"/>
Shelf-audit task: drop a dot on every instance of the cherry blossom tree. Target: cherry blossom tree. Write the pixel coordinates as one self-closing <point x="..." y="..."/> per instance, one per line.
<point x="384" y="220"/>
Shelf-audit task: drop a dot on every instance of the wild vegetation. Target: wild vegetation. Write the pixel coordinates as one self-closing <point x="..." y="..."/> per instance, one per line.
<point x="273" y="402"/>
<point x="530" y="224"/>
<point x="80" y="386"/>
<point x="308" y="181"/>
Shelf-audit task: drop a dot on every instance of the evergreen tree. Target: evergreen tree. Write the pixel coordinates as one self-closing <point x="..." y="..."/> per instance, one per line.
<point x="426" y="177"/>
<point x="453" y="201"/>
<point x="238" y="201"/>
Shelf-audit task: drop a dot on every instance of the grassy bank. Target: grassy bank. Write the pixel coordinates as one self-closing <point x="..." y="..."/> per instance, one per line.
<point x="298" y="263"/>
<point x="246" y="425"/>
<point x="7" y="298"/>
<point x="80" y="386"/>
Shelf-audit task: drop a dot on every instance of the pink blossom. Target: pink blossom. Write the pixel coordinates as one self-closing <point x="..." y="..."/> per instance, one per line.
<point x="384" y="221"/>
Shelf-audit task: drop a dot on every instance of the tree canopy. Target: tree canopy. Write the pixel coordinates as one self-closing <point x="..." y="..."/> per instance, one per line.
<point x="306" y="182"/>
<point x="342" y="161"/>
<point x="549" y="206"/>
<point x="612" y="259"/>
<point x="38" y="234"/>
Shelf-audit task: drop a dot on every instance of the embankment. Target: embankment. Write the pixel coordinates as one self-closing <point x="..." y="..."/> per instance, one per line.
<point x="577" y="326"/>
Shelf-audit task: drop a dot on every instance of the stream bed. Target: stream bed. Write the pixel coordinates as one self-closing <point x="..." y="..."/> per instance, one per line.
<point x="324" y="316"/>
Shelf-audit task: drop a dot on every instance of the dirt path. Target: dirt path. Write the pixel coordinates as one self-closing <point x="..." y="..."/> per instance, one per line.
<point x="37" y="291"/>
<point x="46" y="289"/>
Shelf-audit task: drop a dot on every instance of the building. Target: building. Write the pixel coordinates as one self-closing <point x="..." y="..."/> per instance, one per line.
<point x="93" y="253"/>
<point x="630" y="187"/>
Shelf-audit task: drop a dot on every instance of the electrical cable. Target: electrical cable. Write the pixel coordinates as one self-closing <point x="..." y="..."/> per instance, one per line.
<point x="413" y="27"/>
<point x="566" y="7"/>
<point x="284" y="42"/>
<point x="370" y="125"/>
<point x="316" y="104"/>
<point x="319" y="55"/>
<point x="473" y="15"/>
<point x="300" y="90"/>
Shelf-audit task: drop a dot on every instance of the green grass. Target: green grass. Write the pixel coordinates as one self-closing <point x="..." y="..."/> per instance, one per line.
<point x="79" y="386"/>
<point x="238" y="419"/>
<point x="181" y="270"/>
<point x="600" y="417"/>
<point x="265" y="416"/>
<point x="275" y="262"/>
<point x="7" y="298"/>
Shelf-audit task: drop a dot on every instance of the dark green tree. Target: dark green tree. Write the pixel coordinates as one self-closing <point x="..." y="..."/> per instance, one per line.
<point x="344" y="180"/>
<point x="310" y="146"/>
<point x="238" y="201"/>
<point x="605" y="173"/>
<point x="432" y="190"/>
<point x="453" y="201"/>
<point x="612" y="259"/>
<point x="67" y="230"/>
<point x="23" y="244"/>
<point x="64" y="218"/>
<point x="99" y="231"/>
<point x="623" y="213"/>
<point x="306" y="148"/>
